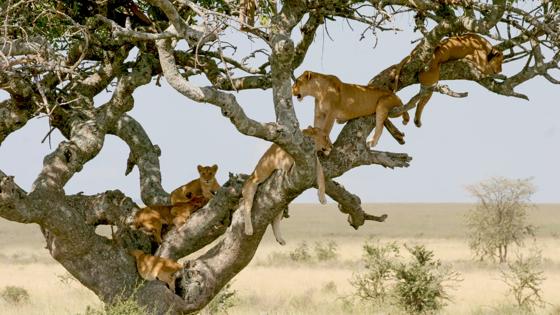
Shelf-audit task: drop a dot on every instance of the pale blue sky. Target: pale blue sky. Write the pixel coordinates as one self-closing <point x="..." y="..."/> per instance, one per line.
<point x="462" y="141"/>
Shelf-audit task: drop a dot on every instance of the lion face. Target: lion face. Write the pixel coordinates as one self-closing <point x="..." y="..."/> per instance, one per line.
<point x="300" y="88"/>
<point x="207" y="173"/>
<point x="322" y="141"/>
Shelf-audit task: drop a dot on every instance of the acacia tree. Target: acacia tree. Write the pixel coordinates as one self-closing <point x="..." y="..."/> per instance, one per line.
<point x="500" y="217"/>
<point x="56" y="56"/>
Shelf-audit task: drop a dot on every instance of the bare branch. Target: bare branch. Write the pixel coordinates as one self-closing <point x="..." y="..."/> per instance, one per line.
<point x="350" y="204"/>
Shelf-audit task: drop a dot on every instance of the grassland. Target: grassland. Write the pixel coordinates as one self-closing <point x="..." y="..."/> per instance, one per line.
<point x="273" y="285"/>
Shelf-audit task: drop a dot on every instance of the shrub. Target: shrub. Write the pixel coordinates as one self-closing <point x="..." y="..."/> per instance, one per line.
<point x="417" y="286"/>
<point x="378" y="260"/>
<point x="15" y="295"/>
<point x="326" y="251"/>
<point x="329" y="287"/>
<point x="126" y="307"/>
<point x="524" y="277"/>
<point x="421" y="283"/>
<point x="301" y="253"/>
<point x="226" y="299"/>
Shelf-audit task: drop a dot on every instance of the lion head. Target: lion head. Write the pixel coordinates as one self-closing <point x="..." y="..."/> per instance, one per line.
<point x="322" y="141"/>
<point x="207" y="173"/>
<point x="302" y="86"/>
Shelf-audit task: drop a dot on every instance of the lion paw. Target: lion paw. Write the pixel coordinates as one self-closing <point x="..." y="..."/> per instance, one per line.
<point x="371" y="143"/>
<point x="248" y="229"/>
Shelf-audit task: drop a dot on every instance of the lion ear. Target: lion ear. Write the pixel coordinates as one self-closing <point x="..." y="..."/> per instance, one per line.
<point x="309" y="131"/>
<point x="307" y="75"/>
<point x="199" y="168"/>
<point x="214" y="168"/>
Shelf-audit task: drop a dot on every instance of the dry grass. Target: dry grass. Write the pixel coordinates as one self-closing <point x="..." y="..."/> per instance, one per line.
<point x="287" y="287"/>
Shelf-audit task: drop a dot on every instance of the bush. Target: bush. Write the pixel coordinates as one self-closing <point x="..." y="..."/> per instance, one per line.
<point x="417" y="286"/>
<point x="120" y="306"/>
<point x="378" y="260"/>
<point x="226" y="299"/>
<point x="421" y="283"/>
<point x="301" y="253"/>
<point x="326" y="251"/>
<point x="14" y="295"/>
<point x="524" y="277"/>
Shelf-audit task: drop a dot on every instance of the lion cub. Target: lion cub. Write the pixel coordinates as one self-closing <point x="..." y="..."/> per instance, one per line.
<point x="336" y="100"/>
<point x="154" y="267"/>
<point x="182" y="211"/>
<point x="151" y="219"/>
<point x="206" y="185"/>
<point x="275" y="158"/>
<point x="471" y="47"/>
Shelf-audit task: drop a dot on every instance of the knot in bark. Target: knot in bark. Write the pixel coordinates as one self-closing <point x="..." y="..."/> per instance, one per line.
<point x="283" y="47"/>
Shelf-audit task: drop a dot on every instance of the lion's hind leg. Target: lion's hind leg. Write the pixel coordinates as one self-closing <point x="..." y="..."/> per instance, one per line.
<point x="276" y="228"/>
<point x="381" y="114"/>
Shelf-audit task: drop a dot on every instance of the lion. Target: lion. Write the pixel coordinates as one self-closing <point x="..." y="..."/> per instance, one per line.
<point x="336" y="100"/>
<point x="275" y="158"/>
<point x="151" y="219"/>
<point x="182" y="211"/>
<point x="206" y="185"/>
<point x="153" y="267"/>
<point x="471" y="47"/>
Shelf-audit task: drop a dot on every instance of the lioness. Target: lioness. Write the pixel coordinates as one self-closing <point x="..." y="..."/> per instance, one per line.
<point x="182" y="211"/>
<point x="336" y="100"/>
<point x="206" y="185"/>
<point x="275" y="158"/>
<point x="151" y="219"/>
<point x="154" y="267"/>
<point x="471" y="47"/>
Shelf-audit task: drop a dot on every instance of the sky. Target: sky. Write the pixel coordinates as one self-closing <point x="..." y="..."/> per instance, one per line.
<point x="461" y="142"/>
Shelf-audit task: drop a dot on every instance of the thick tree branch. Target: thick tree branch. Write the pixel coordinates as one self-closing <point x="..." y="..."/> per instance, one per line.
<point x="227" y="102"/>
<point x="350" y="204"/>
<point x="143" y="154"/>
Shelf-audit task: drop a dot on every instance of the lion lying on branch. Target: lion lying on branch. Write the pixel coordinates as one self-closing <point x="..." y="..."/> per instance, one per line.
<point x="471" y="47"/>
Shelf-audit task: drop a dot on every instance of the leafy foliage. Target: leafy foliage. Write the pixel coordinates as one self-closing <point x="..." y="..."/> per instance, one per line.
<point x="417" y="286"/>
<point x="500" y="217"/>
<point x="524" y="277"/>
<point x="226" y="299"/>
<point x="379" y="263"/>
<point x="325" y="250"/>
<point x="14" y="295"/>
<point x="421" y="283"/>
<point x="301" y="253"/>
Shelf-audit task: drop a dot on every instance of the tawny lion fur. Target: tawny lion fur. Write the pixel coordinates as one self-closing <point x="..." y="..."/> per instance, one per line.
<point x="336" y="100"/>
<point x="151" y="219"/>
<point x="153" y="267"/>
<point x="182" y="211"/>
<point x="471" y="47"/>
<point x="275" y="158"/>
<point x="206" y="185"/>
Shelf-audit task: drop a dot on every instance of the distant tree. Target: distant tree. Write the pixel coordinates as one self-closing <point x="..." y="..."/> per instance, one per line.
<point x="500" y="217"/>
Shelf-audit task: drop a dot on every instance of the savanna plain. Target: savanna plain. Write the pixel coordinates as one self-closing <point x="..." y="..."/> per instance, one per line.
<point x="274" y="283"/>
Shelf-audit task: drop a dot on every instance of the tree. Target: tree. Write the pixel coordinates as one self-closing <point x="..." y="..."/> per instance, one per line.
<point x="500" y="217"/>
<point x="56" y="56"/>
